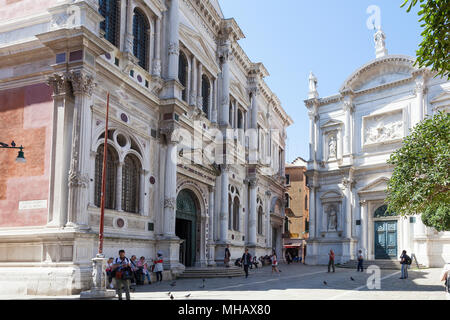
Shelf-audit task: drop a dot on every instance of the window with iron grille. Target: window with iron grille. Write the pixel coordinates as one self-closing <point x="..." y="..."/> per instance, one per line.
<point x="141" y="38"/>
<point x="130" y="184"/>
<point x="110" y="10"/>
<point x="230" y="216"/>
<point x="206" y="87"/>
<point x="236" y="214"/>
<point x="260" y="220"/>
<point x="111" y="168"/>
<point x="182" y="73"/>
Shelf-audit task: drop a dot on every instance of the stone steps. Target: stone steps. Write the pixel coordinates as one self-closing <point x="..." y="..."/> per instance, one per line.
<point x="212" y="272"/>
<point x="382" y="264"/>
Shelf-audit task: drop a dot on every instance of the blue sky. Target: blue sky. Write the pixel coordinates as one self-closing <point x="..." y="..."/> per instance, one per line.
<point x="328" y="37"/>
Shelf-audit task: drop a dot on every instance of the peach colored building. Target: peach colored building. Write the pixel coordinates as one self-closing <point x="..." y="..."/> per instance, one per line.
<point x="296" y="208"/>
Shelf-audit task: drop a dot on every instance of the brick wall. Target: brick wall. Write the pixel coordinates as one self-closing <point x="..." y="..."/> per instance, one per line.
<point x="25" y="117"/>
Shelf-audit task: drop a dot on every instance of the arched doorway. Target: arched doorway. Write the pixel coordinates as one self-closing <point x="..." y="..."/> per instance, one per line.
<point x="385" y="234"/>
<point x="186" y="226"/>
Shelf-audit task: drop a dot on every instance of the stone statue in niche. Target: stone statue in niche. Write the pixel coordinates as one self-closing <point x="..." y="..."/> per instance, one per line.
<point x="332" y="218"/>
<point x="332" y="147"/>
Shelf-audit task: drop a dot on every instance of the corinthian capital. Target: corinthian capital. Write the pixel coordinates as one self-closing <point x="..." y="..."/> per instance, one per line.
<point x="58" y="82"/>
<point x="82" y="83"/>
<point x="172" y="134"/>
<point x="253" y="182"/>
<point x="348" y="106"/>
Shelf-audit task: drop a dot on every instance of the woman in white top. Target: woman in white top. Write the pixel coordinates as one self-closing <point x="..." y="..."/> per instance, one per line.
<point x="446" y="277"/>
<point x="274" y="260"/>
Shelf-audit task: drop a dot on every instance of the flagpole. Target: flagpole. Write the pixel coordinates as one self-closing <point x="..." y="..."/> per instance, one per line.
<point x="102" y="201"/>
<point x="99" y="290"/>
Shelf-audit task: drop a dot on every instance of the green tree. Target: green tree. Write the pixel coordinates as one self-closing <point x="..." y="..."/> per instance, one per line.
<point x="434" y="50"/>
<point x="420" y="182"/>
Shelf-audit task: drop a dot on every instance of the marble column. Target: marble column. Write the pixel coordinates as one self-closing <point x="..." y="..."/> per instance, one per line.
<point x="170" y="185"/>
<point x="253" y="133"/>
<point x="365" y="227"/>
<point x="312" y="127"/>
<point x="174" y="47"/>
<point x="60" y="157"/>
<point x="142" y="193"/>
<point x="156" y="70"/>
<point x="420" y="91"/>
<point x="252" y="240"/>
<point x="82" y="85"/>
<point x="348" y="108"/>
<point x="224" y="181"/>
<point x="211" y="247"/>
<point x="312" y="212"/>
<point x="268" y="224"/>
<point x="119" y="187"/>
<point x="193" y="85"/>
<point x="225" y="98"/>
<point x="129" y="28"/>
<point x="199" y="87"/>
<point x="214" y="103"/>
<point x="347" y="185"/>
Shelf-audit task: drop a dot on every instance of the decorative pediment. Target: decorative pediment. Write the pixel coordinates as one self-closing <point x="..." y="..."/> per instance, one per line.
<point x="237" y="89"/>
<point x="441" y="102"/>
<point x="332" y="196"/>
<point x="195" y="43"/>
<point x="331" y="124"/>
<point x="381" y="71"/>
<point x="379" y="185"/>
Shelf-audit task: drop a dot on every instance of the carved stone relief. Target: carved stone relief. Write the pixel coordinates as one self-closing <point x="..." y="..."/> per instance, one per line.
<point x="383" y="128"/>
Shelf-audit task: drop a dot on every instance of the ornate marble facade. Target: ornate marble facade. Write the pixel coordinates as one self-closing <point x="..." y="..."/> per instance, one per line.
<point x="352" y="135"/>
<point x="174" y="94"/>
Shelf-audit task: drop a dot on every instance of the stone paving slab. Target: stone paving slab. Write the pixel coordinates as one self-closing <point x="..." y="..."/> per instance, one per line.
<point x="295" y="282"/>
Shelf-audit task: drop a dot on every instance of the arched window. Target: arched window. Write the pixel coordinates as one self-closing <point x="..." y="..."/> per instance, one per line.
<point x="306" y="202"/>
<point x="111" y="168"/>
<point x="141" y="30"/>
<point x="110" y="10"/>
<point x="230" y="216"/>
<point x="131" y="184"/>
<point x="236" y="214"/>
<point x="382" y="212"/>
<point x="182" y="74"/>
<point x="206" y="88"/>
<point x="260" y="220"/>
<point x="240" y="120"/>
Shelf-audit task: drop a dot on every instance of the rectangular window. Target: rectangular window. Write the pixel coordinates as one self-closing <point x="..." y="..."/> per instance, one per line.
<point x="288" y="179"/>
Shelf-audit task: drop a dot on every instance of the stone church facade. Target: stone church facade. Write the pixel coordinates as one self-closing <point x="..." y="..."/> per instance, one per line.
<point x="196" y="139"/>
<point x="352" y="135"/>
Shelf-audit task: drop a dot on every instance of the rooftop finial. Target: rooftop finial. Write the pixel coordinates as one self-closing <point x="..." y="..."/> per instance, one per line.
<point x="312" y="86"/>
<point x="380" y="44"/>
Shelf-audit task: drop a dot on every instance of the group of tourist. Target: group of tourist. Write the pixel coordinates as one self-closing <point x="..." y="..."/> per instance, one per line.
<point x="247" y="261"/>
<point x="127" y="273"/>
<point x="405" y="262"/>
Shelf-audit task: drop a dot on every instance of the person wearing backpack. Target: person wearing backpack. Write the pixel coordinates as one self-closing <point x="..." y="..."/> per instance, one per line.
<point x="405" y="261"/>
<point x="123" y="274"/>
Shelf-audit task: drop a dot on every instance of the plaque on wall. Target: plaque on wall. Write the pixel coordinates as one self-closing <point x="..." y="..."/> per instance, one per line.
<point x="33" y="204"/>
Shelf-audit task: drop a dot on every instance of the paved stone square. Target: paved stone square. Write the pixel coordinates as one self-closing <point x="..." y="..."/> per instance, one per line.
<point x="296" y="282"/>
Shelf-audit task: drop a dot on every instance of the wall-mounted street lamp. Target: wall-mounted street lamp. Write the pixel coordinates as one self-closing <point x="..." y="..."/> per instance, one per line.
<point x="21" y="155"/>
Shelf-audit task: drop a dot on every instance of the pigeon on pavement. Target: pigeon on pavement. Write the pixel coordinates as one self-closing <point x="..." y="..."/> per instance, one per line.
<point x="325" y="283"/>
<point x="352" y="278"/>
<point x="171" y="297"/>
